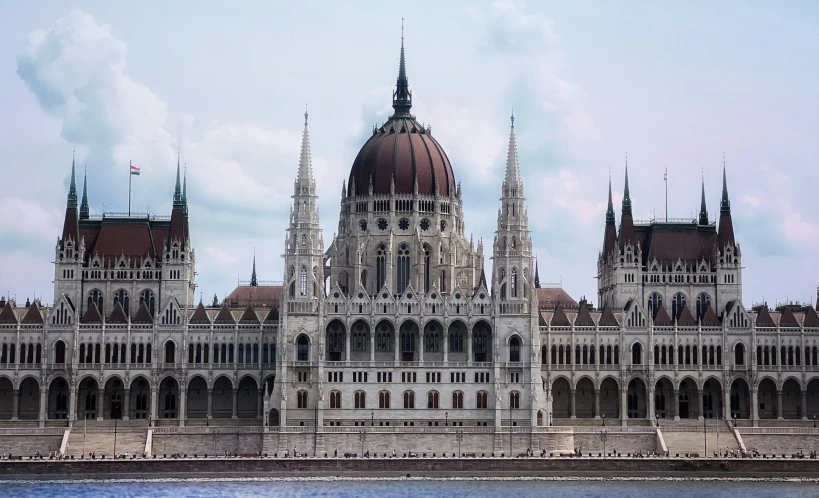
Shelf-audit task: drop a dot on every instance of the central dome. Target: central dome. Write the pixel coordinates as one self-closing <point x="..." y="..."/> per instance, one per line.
<point x="402" y="153"/>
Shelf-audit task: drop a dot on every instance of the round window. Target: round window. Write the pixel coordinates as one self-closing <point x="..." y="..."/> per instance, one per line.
<point x="360" y="295"/>
<point x="409" y="295"/>
<point x="382" y="224"/>
<point x="457" y="296"/>
<point x="362" y="224"/>
<point x="425" y="224"/>
<point x="482" y="296"/>
<point x="335" y="295"/>
<point x="385" y="295"/>
<point x="434" y="295"/>
<point x="403" y="224"/>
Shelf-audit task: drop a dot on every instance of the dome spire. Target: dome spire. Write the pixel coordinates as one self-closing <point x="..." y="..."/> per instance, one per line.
<point x="626" y="196"/>
<point x="512" y="165"/>
<point x="253" y="281"/>
<point x="72" y="188"/>
<point x="610" y="209"/>
<point x="703" y="210"/>
<point x="402" y="97"/>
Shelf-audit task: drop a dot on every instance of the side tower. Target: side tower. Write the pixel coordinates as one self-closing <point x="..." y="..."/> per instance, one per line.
<point x="303" y="294"/>
<point x="516" y="336"/>
<point x="729" y="257"/>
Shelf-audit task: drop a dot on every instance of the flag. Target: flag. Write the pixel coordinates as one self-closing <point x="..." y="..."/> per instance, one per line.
<point x="134" y="170"/>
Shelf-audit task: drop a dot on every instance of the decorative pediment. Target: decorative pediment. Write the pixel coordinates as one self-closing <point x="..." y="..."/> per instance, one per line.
<point x="143" y="315"/>
<point x="200" y="316"/>
<point x="559" y="318"/>
<point x="92" y="314"/>
<point x="117" y="315"/>
<point x="249" y="316"/>
<point x="224" y="316"/>
<point x="33" y="315"/>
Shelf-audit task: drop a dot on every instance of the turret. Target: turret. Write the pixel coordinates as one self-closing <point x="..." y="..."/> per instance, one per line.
<point x="703" y="211"/>
<point x="70" y="228"/>
<point x="725" y="235"/>
<point x="84" y="211"/>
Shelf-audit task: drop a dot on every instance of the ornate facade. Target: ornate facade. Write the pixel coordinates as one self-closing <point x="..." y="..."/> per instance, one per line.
<point x="396" y="323"/>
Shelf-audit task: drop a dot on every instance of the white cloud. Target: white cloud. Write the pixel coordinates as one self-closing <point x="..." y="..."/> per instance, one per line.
<point x="29" y="217"/>
<point x="751" y="200"/>
<point x="219" y="256"/>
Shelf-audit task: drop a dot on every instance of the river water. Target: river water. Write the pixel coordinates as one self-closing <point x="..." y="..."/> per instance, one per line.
<point x="409" y="488"/>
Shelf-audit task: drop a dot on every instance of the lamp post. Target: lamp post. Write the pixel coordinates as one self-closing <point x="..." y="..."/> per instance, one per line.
<point x="657" y="418"/>
<point x="372" y="419"/>
<point x="814" y="421"/>
<point x="446" y="419"/>
<point x="362" y="436"/>
<point x="459" y="435"/>
<point x="604" y="436"/>
<point x="705" y="437"/>
<point x="604" y="420"/>
<point x="115" y="438"/>
<point x="550" y="419"/>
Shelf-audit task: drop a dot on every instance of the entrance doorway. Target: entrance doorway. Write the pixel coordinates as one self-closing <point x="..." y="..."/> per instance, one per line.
<point x="684" y="405"/>
<point x="116" y="406"/>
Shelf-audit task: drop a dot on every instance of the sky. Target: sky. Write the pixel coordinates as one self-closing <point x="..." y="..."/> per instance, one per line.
<point x="673" y="85"/>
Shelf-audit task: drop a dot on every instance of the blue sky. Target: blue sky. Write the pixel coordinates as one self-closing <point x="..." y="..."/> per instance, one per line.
<point x="674" y="84"/>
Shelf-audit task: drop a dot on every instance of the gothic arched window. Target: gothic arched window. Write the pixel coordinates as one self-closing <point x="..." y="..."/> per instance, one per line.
<point x="514" y="285"/>
<point x="303" y="281"/>
<point x="380" y="267"/>
<point x="403" y="269"/>
<point x="95" y="297"/>
<point x="678" y="304"/>
<point x="654" y="302"/>
<point x="147" y="298"/>
<point x="703" y="301"/>
<point x="426" y="269"/>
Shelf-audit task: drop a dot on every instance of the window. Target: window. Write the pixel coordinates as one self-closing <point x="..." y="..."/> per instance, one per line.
<point x="514" y="350"/>
<point x="482" y="399"/>
<point x="59" y="352"/>
<point x="678" y="304"/>
<point x="384" y="399"/>
<point x="302" y="349"/>
<point x="402" y="269"/>
<point x="432" y="399"/>
<point x="481" y="342"/>
<point x="381" y="264"/>
<point x="739" y="354"/>
<point x="303" y="281"/>
<point x="427" y="287"/>
<point x="636" y="354"/>
<point x="457" y="399"/>
<point x="301" y="399"/>
<point x="360" y="399"/>
<point x="703" y="302"/>
<point x="170" y="352"/>
<point x="456" y="340"/>
<point x="514" y="278"/>
<point x="335" y="400"/>
<point x="121" y="297"/>
<point x="514" y="400"/>
<point x="654" y="302"/>
<point x="95" y="297"/>
<point x="432" y="338"/>
<point x="409" y="399"/>
<point x="147" y="298"/>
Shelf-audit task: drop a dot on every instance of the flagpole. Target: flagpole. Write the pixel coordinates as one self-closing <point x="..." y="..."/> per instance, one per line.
<point x="129" y="188"/>
<point x="665" y="177"/>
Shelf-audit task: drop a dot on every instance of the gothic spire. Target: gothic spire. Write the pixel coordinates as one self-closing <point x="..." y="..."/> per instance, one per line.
<point x="725" y="205"/>
<point x="703" y="210"/>
<point x="610" y="209"/>
<point x="512" y="164"/>
<point x="72" y="188"/>
<point x="537" y="276"/>
<point x="402" y="97"/>
<point x="185" y="188"/>
<point x="626" y="195"/>
<point x="305" y="161"/>
<point x="253" y="281"/>
<point x="84" y="212"/>
<point x="177" y="191"/>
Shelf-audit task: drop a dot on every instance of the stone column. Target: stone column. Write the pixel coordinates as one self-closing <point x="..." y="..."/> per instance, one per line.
<point x="422" y="346"/>
<point x="469" y="346"/>
<point x="183" y="403"/>
<point x="43" y="406"/>
<point x="72" y="404"/>
<point x="126" y="405"/>
<point x="154" y="404"/>
<point x="260" y="404"/>
<point x="651" y="408"/>
<point x="210" y="403"/>
<point x="347" y="345"/>
<point x="597" y="403"/>
<point x="372" y="345"/>
<point x="445" y="346"/>
<point x="572" y="411"/>
<point x="779" y="414"/>
<point x="100" y="403"/>
<point x="397" y="344"/>
<point x="15" y="404"/>
<point x="700" y="408"/>
<point x="676" y="405"/>
<point x="624" y="407"/>
<point x="755" y="407"/>
<point x="804" y="405"/>
<point x="235" y="404"/>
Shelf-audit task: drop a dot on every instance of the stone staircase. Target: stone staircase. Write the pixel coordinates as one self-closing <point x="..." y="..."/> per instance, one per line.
<point x="688" y="438"/>
<point x="130" y="441"/>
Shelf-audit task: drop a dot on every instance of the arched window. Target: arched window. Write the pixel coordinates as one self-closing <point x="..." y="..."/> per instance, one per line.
<point x="303" y="281"/>
<point x="409" y="399"/>
<point x="456" y="340"/>
<point x="514" y="284"/>
<point x="432" y="399"/>
<point x="481" y="342"/>
<point x="360" y="399"/>
<point x="335" y="400"/>
<point x="380" y="267"/>
<point x="383" y="337"/>
<point x="457" y="400"/>
<point x="402" y="269"/>
<point x="636" y="354"/>
<point x="654" y="302"/>
<point x="514" y="349"/>
<point x="301" y="399"/>
<point x="432" y="338"/>
<point x="514" y="400"/>
<point x="302" y="348"/>
<point x="147" y="298"/>
<point x="427" y="286"/>
<point x="384" y="399"/>
<point x="170" y="352"/>
<point x="482" y="399"/>
<point x="703" y="301"/>
<point x="343" y="282"/>
<point x="121" y="297"/>
<point x="95" y="297"/>
<point x="335" y="340"/>
<point x="677" y="304"/>
<point x="364" y="279"/>
<point x="59" y="352"/>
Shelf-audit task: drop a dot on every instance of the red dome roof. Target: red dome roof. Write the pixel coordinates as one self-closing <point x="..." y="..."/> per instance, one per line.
<point x="402" y="151"/>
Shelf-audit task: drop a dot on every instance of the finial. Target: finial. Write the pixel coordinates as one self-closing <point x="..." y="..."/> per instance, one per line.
<point x="402" y="28"/>
<point x="305" y="115"/>
<point x="513" y="116"/>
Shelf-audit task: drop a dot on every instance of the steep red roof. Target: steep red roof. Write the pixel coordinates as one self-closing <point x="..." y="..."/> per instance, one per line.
<point x="709" y="318"/>
<point x="584" y="317"/>
<point x="200" y="316"/>
<point x="224" y="315"/>
<point x="249" y="316"/>
<point x="669" y="242"/>
<point x="686" y="319"/>
<point x="70" y="226"/>
<point x="33" y="315"/>
<point x="559" y="318"/>
<point x="92" y="315"/>
<point x="763" y="317"/>
<point x="113" y="237"/>
<point x="661" y="318"/>
<point x="726" y="230"/>
<point x="548" y="299"/>
<point x="272" y="315"/>
<point x="788" y="319"/>
<point x="117" y="315"/>
<point x="541" y="319"/>
<point x="811" y="318"/>
<point x="607" y="318"/>
<point x="8" y="315"/>
<point x="261" y="295"/>
<point x="143" y="315"/>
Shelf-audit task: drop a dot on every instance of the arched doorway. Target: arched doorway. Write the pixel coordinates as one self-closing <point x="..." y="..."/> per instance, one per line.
<point x="482" y="342"/>
<point x="688" y="398"/>
<point x="222" y="398"/>
<point x="336" y="343"/>
<point x="29" y="399"/>
<point x="560" y="399"/>
<point x="408" y="340"/>
<point x="384" y="341"/>
<point x="58" y="399"/>
<point x="6" y="398"/>
<point x="273" y="418"/>
<point x="87" y="399"/>
<point x="456" y="341"/>
<point x="791" y="399"/>
<point x="139" y="399"/>
<point x="247" y="404"/>
<point x="766" y="397"/>
<point x="740" y="399"/>
<point x="712" y="399"/>
<point x="168" y="398"/>
<point x="609" y="398"/>
<point x="813" y="398"/>
<point x="197" y="398"/>
<point x="360" y="341"/>
<point x="663" y="399"/>
<point x="584" y="399"/>
<point x="113" y="407"/>
<point x="636" y="399"/>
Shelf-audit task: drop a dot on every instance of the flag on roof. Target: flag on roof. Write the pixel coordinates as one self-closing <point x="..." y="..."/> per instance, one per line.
<point x="135" y="170"/>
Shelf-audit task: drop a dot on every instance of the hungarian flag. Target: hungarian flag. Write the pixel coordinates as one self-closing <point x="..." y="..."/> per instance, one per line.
<point x="134" y="170"/>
